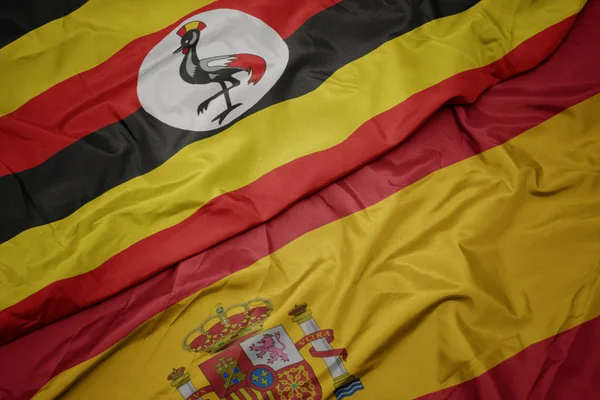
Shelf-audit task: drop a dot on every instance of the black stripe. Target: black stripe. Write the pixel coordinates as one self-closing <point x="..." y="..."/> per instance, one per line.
<point x="140" y="143"/>
<point x="17" y="17"/>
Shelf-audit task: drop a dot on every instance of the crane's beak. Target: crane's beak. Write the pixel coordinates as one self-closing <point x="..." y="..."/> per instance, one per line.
<point x="178" y="50"/>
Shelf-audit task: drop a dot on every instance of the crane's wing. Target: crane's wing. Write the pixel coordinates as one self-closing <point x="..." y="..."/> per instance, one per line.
<point x="217" y="63"/>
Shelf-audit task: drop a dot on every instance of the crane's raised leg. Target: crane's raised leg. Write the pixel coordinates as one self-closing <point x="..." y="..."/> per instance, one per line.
<point x="230" y="107"/>
<point x="204" y="105"/>
<point x="225" y="92"/>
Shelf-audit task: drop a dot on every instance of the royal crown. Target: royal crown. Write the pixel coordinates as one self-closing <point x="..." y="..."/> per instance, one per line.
<point x="179" y="377"/>
<point x="298" y="310"/>
<point x="225" y="327"/>
<point x="176" y="373"/>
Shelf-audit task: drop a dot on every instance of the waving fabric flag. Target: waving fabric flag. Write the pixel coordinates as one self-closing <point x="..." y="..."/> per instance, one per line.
<point x="108" y="156"/>
<point x="300" y="200"/>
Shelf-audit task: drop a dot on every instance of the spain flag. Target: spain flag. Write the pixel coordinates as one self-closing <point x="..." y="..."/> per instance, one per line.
<point x="325" y="199"/>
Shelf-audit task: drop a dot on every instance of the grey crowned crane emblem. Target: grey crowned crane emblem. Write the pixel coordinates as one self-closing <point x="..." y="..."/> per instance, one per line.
<point x="219" y="69"/>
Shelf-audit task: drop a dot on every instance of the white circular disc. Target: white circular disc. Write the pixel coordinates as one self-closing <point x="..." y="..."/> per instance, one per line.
<point x="165" y="95"/>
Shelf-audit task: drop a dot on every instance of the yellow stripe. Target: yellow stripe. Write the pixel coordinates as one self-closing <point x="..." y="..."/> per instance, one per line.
<point x="258" y="394"/>
<point x="61" y="49"/>
<point x="234" y="396"/>
<point x="270" y="395"/>
<point x="225" y="162"/>
<point x="245" y="394"/>
<point x="474" y="263"/>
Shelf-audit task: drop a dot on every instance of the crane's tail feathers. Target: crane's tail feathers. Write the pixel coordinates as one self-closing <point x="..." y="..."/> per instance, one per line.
<point x="254" y="65"/>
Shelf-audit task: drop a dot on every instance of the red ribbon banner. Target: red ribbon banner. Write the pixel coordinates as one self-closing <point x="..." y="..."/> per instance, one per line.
<point x="326" y="335"/>
<point x="200" y="392"/>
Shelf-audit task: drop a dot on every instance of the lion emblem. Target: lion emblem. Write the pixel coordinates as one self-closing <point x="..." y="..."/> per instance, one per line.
<point x="269" y="345"/>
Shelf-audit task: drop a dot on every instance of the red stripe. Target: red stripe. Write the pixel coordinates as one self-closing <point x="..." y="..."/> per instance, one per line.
<point x="240" y="210"/>
<point x="251" y="394"/>
<point x="108" y="93"/>
<point x="566" y="366"/>
<point x="453" y="134"/>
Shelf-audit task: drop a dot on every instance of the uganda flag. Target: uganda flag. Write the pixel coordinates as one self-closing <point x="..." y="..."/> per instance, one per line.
<point x="300" y="200"/>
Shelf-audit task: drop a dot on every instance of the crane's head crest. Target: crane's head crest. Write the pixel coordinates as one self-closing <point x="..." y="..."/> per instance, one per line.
<point x="197" y="25"/>
<point x="190" y="34"/>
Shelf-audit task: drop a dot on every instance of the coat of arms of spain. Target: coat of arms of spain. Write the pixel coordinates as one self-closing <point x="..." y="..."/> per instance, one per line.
<point x="251" y="363"/>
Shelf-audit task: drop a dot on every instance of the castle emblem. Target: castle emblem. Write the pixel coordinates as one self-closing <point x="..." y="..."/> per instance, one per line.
<point x="230" y="372"/>
<point x="249" y="362"/>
